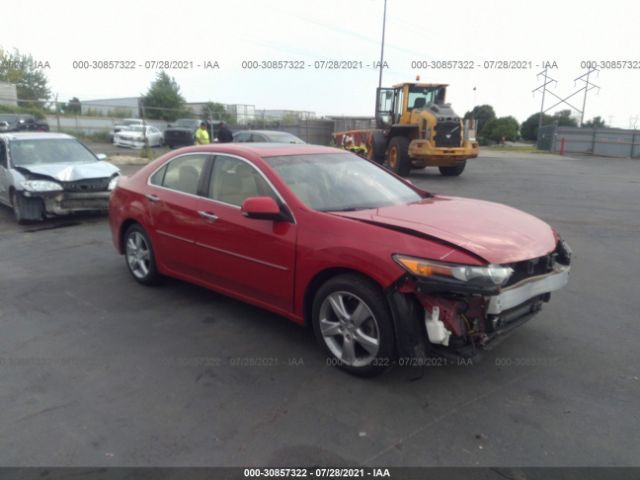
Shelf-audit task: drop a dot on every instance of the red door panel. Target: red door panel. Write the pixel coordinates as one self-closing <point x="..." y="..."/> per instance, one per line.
<point x="254" y="258"/>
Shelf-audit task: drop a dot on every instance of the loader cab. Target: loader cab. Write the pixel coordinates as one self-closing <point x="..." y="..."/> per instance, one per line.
<point x="394" y="105"/>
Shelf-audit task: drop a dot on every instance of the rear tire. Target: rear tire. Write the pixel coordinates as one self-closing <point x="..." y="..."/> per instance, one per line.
<point x="139" y="256"/>
<point x="453" y="171"/>
<point x="353" y="324"/>
<point x="398" y="156"/>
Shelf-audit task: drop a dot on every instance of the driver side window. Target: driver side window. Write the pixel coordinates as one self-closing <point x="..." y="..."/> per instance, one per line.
<point x="233" y="181"/>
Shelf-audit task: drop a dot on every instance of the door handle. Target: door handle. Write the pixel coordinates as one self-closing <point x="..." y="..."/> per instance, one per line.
<point x="208" y="216"/>
<point x="151" y="197"/>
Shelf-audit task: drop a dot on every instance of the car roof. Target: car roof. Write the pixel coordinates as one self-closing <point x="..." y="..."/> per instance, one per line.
<point x="34" y="135"/>
<point x="263" y="149"/>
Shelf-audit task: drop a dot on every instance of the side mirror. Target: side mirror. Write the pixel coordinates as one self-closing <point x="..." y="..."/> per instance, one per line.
<point x="262" y="208"/>
<point x="101" y="156"/>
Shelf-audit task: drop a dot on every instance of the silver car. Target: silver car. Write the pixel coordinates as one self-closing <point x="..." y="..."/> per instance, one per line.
<point x="46" y="174"/>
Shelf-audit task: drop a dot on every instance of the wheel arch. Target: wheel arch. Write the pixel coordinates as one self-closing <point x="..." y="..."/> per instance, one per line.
<point x="124" y="226"/>
<point x="322" y="277"/>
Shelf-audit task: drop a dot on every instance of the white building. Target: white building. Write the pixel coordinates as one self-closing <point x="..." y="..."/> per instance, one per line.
<point x="121" y="107"/>
<point x="8" y="94"/>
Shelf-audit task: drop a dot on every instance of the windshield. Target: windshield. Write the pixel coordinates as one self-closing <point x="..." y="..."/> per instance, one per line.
<point x="186" y="123"/>
<point x="284" y="138"/>
<point x="131" y="122"/>
<point x="136" y="128"/>
<point x="340" y="182"/>
<point x="50" y="150"/>
<point x="421" y="96"/>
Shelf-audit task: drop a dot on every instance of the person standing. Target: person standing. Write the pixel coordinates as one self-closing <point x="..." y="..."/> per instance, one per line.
<point x="224" y="134"/>
<point x="202" y="134"/>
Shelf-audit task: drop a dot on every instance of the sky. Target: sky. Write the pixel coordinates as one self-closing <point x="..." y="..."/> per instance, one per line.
<point x="563" y="33"/>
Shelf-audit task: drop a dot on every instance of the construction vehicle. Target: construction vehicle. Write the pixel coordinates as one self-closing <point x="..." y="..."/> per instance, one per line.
<point x="415" y="129"/>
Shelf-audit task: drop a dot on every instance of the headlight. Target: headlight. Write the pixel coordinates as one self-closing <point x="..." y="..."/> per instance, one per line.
<point x="113" y="183"/>
<point x="492" y="274"/>
<point x="41" y="186"/>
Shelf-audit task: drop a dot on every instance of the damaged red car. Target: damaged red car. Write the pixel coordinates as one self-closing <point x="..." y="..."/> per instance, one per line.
<point x="384" y="272"/>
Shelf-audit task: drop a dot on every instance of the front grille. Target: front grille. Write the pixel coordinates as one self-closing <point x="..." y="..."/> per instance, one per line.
<point x="448" y="134"/>
<point x="538" y="266"/>
<point x="90" y="185"/>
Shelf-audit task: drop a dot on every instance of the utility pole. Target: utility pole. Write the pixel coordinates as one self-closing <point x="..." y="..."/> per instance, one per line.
<point x="587" y="86"/>
<point x="547" y="80"/>
<point x="384" y="24"/>
<point x="58" y="114"/>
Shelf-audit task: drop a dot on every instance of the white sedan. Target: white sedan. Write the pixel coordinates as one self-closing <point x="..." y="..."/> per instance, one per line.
<point x="133" y="137"/>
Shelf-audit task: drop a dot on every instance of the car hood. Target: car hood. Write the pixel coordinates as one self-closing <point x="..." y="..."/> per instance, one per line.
<point x="65" y="172"/>
<point x="497" y="233"/>
<point x="131" y="135"/>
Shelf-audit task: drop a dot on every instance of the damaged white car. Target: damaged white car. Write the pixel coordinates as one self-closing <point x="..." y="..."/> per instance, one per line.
<point x="47" y="174"/>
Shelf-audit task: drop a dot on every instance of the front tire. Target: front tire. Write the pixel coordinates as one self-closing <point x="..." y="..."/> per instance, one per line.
<point x="26" y="210"/>
<point x="398" y="156"/>
<point x="139" y="256"/>
<point x="353" y="324"/>
<point x="375" y="152"/>
<point x="453" y="171"/>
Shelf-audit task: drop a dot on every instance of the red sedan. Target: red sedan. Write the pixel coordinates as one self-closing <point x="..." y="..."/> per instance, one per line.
<point x="385" y="273"/>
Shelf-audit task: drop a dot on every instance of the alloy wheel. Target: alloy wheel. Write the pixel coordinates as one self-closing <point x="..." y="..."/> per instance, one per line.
<point x="138" y="255"/>
<point x="349" y="329"/>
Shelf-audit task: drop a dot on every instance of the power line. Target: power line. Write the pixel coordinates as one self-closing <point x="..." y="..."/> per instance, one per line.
<point x="588" y="86"/>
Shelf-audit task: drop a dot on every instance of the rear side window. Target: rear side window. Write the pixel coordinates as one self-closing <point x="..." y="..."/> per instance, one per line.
<point x="242" y="137"/>
<point x="182" y="174"/>
<point x="158" y="177"/>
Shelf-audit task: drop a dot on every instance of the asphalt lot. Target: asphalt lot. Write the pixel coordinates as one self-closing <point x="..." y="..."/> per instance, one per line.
<point x="96" y="370"/>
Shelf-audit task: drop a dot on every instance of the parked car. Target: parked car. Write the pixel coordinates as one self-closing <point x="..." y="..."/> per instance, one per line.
<point x="384" y="272"/>
<point x="274" y="136"/>
<point x="18" y="122"/>
<point x="4" y="126"/>
<point x="43" y="174"/>
<point x="134" y="137"/>
<point x="124" y="124"/>
<point x="182" y="132"/>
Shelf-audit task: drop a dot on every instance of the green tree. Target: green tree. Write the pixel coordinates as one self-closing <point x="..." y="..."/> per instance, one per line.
<point x="564" y="119"/>
<point x="529" y="128"/>
<point x="482" y="114"/>
<point x="215" y="111"/>
<point x="595" y="122"/>
<point x="30" y="81"/>
<point x="73" y="106"/>
<point x="498" y="128"/>
<point x="163" y="100"/>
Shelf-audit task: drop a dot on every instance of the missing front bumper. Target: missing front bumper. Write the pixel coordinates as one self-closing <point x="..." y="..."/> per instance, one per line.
<point x="70" y="202"/>
<point x="526" y="289"/>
